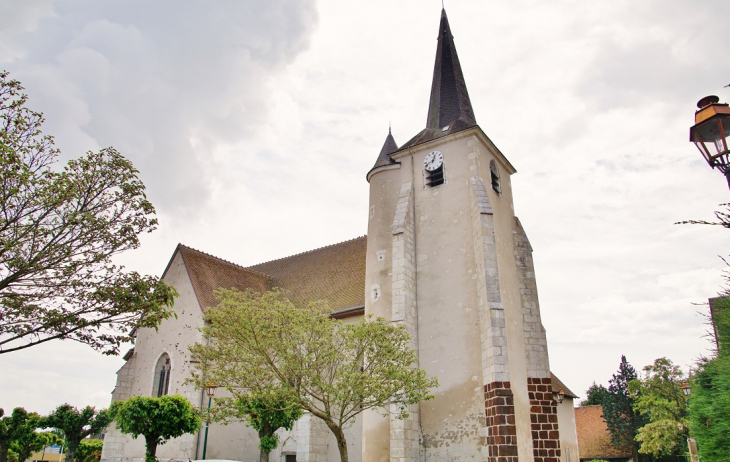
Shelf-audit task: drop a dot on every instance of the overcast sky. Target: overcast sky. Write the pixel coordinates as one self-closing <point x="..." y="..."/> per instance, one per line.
<point x="253" y="124"/>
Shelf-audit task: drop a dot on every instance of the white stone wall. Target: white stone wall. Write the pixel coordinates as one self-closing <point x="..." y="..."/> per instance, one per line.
<point x="538" y="364"/>
<point x="495" y="354"/>
<point x="568" y="432"/>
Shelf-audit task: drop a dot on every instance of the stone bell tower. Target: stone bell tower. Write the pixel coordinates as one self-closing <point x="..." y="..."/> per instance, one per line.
<point x="447" y="257"/>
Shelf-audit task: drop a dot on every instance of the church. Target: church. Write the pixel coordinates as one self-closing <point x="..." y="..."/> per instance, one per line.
<point x="445" y="256"/>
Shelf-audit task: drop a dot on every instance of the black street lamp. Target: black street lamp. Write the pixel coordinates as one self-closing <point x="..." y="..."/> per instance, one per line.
<point x="210" y="391"/>
<point x="711" y="131"/>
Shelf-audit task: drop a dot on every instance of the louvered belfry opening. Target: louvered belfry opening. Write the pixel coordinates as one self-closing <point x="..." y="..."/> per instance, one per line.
<point x="435" y="177"/>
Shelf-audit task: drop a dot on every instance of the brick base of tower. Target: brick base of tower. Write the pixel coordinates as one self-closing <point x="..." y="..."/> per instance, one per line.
<point x="544" y="419"/>
<point x="501" y="429"/>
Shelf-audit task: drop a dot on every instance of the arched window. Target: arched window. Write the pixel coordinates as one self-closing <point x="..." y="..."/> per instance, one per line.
<point x="162" y="376"/>
<point x="495" y="177"/>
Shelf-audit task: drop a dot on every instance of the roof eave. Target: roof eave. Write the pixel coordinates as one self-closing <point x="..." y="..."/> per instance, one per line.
<point x="471" y="131"/>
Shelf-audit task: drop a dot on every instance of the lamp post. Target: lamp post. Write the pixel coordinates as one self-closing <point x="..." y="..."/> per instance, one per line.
<point x="711" y="131"/>
<point x="691" y="443"/>
<point x="210" y="391"/>
<point x="686" y="389"/>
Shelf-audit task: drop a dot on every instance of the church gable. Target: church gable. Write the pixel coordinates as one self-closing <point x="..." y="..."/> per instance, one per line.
<point x="208" y="273"/>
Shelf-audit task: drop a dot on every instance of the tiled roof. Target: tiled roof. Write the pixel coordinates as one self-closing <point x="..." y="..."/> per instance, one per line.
<point x="335" y="274"/>
<point x="208" y="273"/>
<point x="594" y="440"/>
<point x="558" y="385"/>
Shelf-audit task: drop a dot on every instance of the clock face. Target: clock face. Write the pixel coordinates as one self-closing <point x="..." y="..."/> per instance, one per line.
<point x="433" y="160"/>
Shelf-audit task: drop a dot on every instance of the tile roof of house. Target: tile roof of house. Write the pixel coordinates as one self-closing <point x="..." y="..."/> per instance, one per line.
<point x="557" y="385"/>
<point x="594" y="440"/>
<point x="335" y="274"/>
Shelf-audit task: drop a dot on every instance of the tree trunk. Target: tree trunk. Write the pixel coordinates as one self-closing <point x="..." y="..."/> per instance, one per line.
<point x="263" y="453"/>
<point x="151" y="455"/>
<point x="70" y="451"/>
<point x="3" y="453"/>
<point x="341" y="441"/>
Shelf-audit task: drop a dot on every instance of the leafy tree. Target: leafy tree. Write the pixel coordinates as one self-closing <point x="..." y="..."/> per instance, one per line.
<point x="622" y="420"/>
<point x="31" y="442"/>
<point x="659" y="395"/>
<point x="58" y="233"/>
<point x="77" y="424"/>
<point x="709" y="404"/>
<point x="264" y="413"/>
<point x="333" y="370"/>
<point x="89" y="450"/>
<point x="594" y="395"/>
<point x="157" y="419"/>
<point x="17" y="430"/>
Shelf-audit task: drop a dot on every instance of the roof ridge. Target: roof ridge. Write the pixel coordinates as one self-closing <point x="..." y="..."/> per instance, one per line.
<point x="226" y="261"/>
<point x="307" y="251"/>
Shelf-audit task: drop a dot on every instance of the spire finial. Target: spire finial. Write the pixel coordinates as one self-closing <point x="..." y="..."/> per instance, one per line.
<point x="389" y="126"/>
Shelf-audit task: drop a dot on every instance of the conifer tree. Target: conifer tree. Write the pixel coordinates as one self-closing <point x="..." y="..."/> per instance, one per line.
<point x="595" y="395"/>
<point x="622" y="420"/>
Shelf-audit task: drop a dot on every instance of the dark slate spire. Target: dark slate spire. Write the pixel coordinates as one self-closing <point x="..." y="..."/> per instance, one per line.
<point x="449" y="98"/>
<point x="449" y="109"/>
<point x="389" y="147"/>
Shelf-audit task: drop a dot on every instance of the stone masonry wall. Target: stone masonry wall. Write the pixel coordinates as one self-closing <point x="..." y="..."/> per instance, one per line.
<point x="543" y="408"/>
<point x="312" y="435"/>
<point x="405" y="433"/>
<point x="501" y="431"/>
<point x="535" y="339"/>
<point x="113" y="448"/>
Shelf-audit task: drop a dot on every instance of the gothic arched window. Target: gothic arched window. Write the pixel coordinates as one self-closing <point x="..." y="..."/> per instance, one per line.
<point x="162" y="376"/>
<point x="495" y="177"/>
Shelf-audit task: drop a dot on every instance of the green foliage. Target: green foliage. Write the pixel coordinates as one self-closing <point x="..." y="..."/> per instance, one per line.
<point x="595" y="395"/>
<point x="266" y="414"/>
<point x="709" y="407"/>
<point x="260" y="342"/>
<point x="659" y="395"/>
<point x="157" y="419"/>
<point x="33" y="441"/>
<point x="77" y="424"/>
<point x="17" y="433"/>
<point x="89" y="450"/>
<point x="58" y="233"/>
<point x="622" y="420"/>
